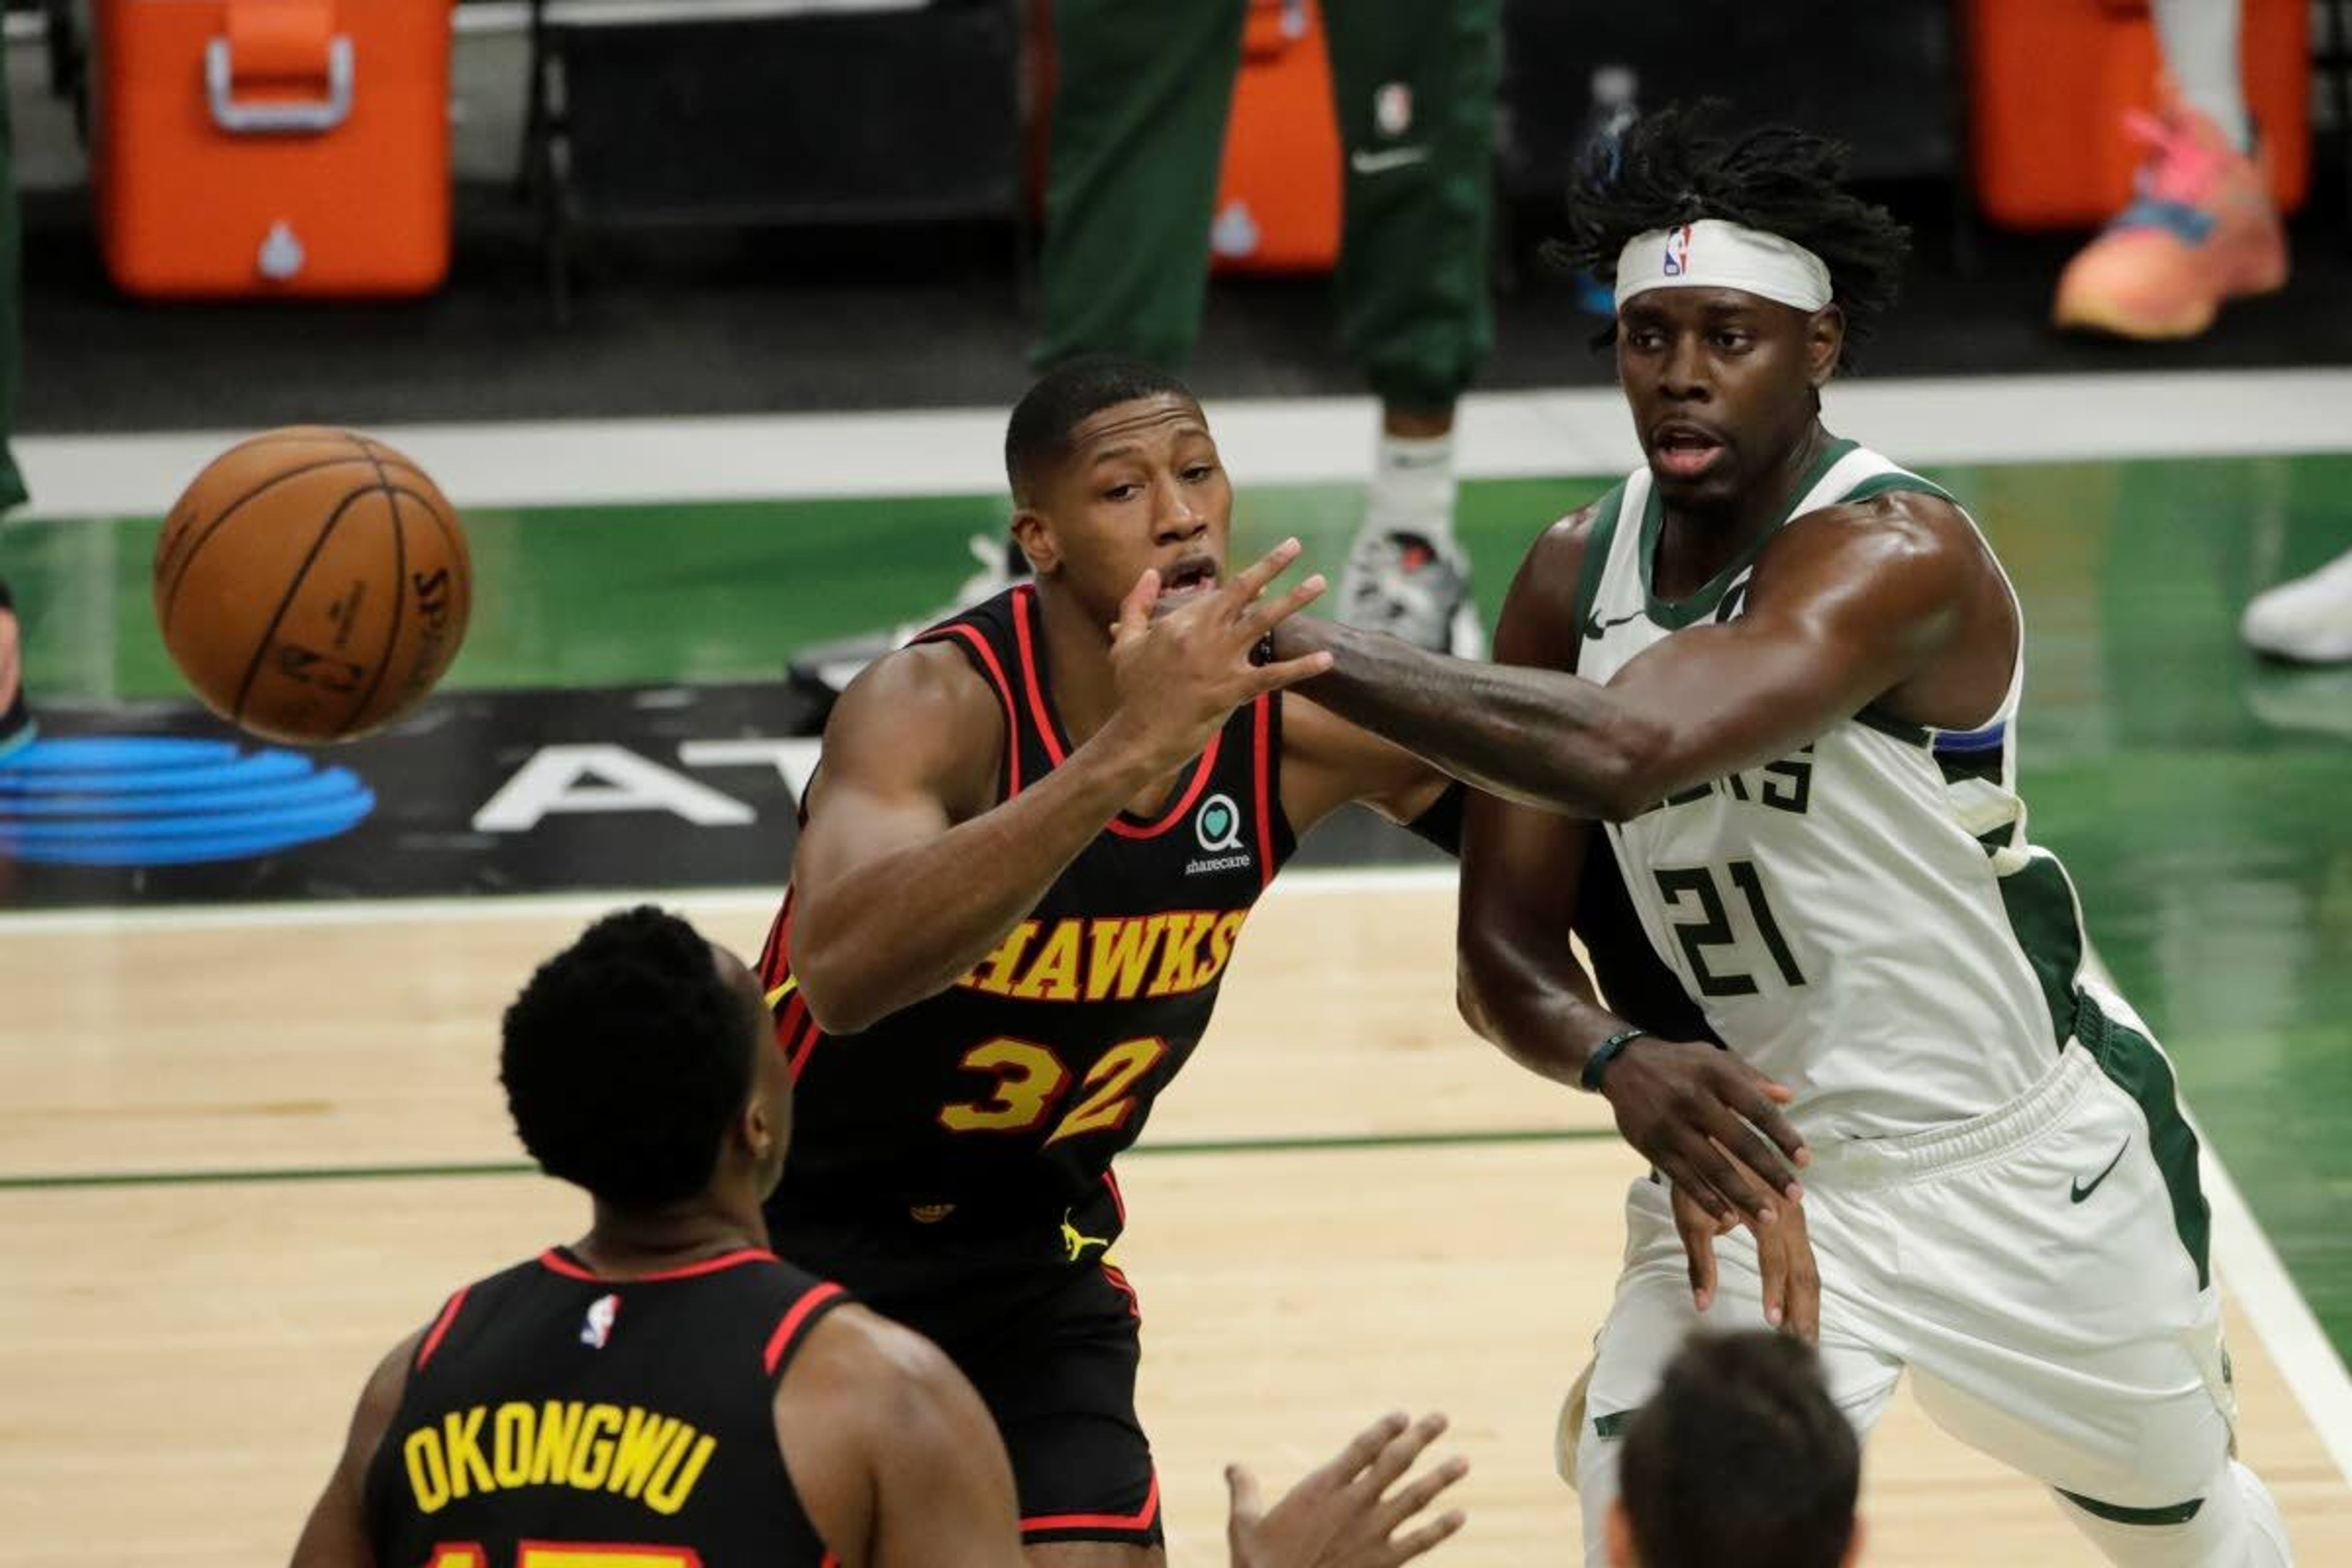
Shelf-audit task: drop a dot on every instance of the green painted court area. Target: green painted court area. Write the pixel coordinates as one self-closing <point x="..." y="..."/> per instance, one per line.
<point x="2203" y="803"/>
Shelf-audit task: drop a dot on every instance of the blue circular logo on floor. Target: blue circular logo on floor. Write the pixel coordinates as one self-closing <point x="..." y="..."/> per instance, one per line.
<point x="125" y="800"/>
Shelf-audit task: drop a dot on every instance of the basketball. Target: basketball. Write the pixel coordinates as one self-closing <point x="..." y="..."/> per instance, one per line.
<point x="313" y="585"/>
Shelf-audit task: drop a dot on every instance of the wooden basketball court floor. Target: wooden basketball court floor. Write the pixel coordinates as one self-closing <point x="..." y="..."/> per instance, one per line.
<point x="1348" y="1204"/>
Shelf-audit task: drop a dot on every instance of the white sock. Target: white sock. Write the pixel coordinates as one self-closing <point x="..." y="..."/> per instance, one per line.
<point x="2201" y="52"/>
<point x="1412" y="488"/>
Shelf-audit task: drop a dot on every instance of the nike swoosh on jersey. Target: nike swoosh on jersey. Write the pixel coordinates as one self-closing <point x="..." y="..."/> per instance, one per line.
<point x="2080" y="1191"/>
<point x="1382" y="163"/>
<point x="1594" y="627"/>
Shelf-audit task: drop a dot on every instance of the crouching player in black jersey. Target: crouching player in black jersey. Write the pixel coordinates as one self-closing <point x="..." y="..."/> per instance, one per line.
<point x="1023" y="865"/>
<point x="667" y="1391"/>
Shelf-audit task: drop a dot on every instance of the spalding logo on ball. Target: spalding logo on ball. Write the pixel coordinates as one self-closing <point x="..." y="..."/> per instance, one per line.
<point x="313" y="585"/>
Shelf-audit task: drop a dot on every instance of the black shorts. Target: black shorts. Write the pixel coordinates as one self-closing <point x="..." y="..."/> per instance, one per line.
<point x="1052" y="1347"/>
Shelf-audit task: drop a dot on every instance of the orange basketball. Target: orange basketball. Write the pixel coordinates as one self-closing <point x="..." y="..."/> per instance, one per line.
<point x="313" y="585"/>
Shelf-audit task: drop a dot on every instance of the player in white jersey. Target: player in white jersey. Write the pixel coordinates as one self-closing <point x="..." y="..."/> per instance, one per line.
<point x="1782" y="673"/>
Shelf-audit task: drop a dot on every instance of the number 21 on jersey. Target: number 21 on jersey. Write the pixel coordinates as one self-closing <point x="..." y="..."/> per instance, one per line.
<point x="1698" y="905"/>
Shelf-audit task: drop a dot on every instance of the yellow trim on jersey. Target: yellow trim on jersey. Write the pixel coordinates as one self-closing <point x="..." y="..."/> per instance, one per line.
<point x="780" y="992"/>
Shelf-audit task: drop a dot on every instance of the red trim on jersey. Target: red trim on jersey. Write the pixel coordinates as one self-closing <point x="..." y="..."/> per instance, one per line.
<point x="789" y="1022"/>
<point x="1140" y="1520"/>
<point x="782" y="1339"/>
<point x="667" y="1556"/>
<point x="1037" y="710"/>
<point x="1005" y="693"/>
<point x="1051" y="735"/>
<point x="1118" y="1282"/>
<point x="828" y="1561"/>
<point x="775" y="958"/>
<point x="556" y="1263"/>
<point x="1117" y="1198"/>
<point x="1200" y="771"/>
<point x="798" y="1063"/>
<point x="1261" y="724"/>
<point x="440" y="1327"/>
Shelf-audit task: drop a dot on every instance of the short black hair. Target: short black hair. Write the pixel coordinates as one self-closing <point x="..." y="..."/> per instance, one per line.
<point x="625" y="1058"/>
<point x="1741" y="1457"/>
<point x="1039" y="430"/>
<point x="1681" y="164"/>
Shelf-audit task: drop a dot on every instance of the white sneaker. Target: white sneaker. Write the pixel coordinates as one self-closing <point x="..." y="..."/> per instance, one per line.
<point x="1413" y="588"/>
<point x="825" y="669"/>
<point x="2308" y="619"/>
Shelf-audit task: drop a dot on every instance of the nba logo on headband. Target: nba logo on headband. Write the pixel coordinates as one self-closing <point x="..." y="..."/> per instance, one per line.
<point x="1679" y="244"/>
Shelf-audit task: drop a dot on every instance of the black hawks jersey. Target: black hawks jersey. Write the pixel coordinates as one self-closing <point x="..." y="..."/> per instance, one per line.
<point x="554" y="1416"/>
<point x="996" y="1106"/>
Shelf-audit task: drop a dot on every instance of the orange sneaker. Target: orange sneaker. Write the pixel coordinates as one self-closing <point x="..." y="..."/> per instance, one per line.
<point x="2203" y="229"/>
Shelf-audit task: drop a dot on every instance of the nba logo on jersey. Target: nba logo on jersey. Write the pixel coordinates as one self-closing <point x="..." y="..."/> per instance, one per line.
<point x="1678" y="246"/>
<point x="598" y="1327"/>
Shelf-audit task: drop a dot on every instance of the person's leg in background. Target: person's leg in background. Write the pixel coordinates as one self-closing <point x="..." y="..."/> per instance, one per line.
<point x="1141" y="94"/>
<point x="1142" y="90"/>
<point x="2203" y="227"/>
<point x="1416" y="86"/>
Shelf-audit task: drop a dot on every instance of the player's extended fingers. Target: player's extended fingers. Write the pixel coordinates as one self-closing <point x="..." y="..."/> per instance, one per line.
<point x="1772" y="1263"/>
<point x="1686" y="1178"/>
<point x="1710" y="1152"/>
<point x="1268" y="613"/>
<point x="1425" y="1489"/>
<point x="1362" y="1450"/>
<point x="1699" y="1230"/>
<point x="1245" y="587"/>
<point x="1801" y="1312"/>
<point x="1288" y="672"/>
<point x="1406" y="1547"/>
<point x="1396" y="1456"/>
<point x="1761" y="1105"/>
<point x="1135" y="610"/>
<point x="1737" y="1140"/>
<point x="1247" y="1506"/>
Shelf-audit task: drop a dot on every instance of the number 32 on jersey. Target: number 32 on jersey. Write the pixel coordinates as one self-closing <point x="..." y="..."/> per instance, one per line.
<point x="1030" y="1080"/>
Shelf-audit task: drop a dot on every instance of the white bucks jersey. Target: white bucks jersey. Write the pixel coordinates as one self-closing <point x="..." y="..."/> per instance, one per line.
<point x="1861" y="919"/>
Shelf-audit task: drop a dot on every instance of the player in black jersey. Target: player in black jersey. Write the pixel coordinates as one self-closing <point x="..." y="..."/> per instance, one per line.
<point x="666" y="1390"/>
<point x="1025" y="862"/>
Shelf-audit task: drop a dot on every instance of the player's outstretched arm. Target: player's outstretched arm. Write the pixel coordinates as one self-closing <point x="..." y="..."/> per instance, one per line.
<point x="893" y="1455"/>
<point x="1344" y="1515"/>
<point x="909" y="872"/>
<point x="335" y="1535"/>
<point x="1847" y="606"/>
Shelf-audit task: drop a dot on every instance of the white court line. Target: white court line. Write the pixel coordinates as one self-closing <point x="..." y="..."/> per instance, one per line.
<point x="2251" y="1267"/>
<point x="2283" y="1319"/>
<point x="1505" y="435"/>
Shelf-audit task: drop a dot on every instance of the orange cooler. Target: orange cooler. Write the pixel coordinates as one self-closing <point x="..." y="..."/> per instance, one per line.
<point x="268" y="148"/>
<point x="2050" y="81"/>
<point x="1278" y="194"/>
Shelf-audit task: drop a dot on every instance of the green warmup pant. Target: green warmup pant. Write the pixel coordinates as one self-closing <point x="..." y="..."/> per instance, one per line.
<point x="12" y="304"/>
<point x="1143" y="90"/>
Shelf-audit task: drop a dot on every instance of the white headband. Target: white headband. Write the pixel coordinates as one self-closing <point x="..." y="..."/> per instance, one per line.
<point x="1715" y="253"/>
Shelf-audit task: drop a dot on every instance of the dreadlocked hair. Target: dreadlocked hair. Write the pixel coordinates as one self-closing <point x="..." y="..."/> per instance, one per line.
<point x="1681" y="164"/>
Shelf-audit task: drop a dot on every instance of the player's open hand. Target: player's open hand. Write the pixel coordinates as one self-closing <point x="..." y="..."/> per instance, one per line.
<point x="1710" y="1123"/>
<point x="1343" y="1514"/>
<point x="1181" y="673"/>
<point x="1784" y="1256"/>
